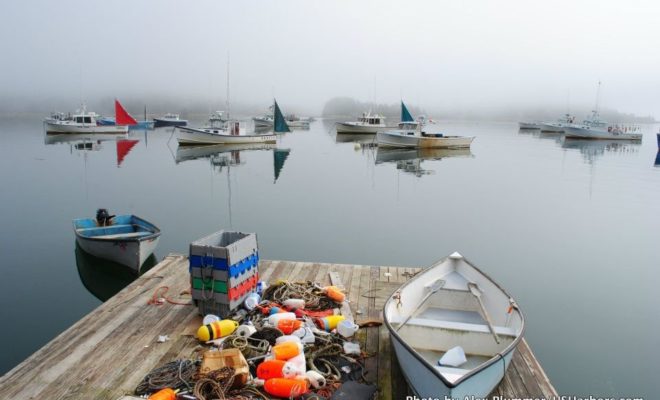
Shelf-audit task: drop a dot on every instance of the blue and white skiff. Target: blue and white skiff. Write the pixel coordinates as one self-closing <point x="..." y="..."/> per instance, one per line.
<point x="129" y="240"/>
<point x="447" y="305"/>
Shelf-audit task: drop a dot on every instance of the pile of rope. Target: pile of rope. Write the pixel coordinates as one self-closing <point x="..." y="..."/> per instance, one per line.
<point x="249" y="346"/>
<point x="215" y="384"/>
<point x="315" y="298"/>
<point x="179" y="374"/>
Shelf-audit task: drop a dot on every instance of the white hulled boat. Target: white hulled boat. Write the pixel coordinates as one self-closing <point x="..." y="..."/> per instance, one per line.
<point x="82" y="121"/>
<point x="169" y="119"/>
<point x="529" y="125"/>
<point x="411" y="134"/>
<point x="454" y="330"/>
<point x="596" y="128"/>
<point x="559" y="125"/>
<point x="367" y="123"/>
<point x="231" y="133"/>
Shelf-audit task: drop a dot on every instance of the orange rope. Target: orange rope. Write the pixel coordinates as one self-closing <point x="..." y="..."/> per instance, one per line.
<point x="159" y="298"/>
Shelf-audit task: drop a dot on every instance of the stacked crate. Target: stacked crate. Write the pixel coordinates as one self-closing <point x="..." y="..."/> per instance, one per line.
<point x="224" y="270"/>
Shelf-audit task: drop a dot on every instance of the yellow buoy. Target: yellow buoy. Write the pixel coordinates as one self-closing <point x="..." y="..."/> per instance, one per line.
<point x="216" y="330"/>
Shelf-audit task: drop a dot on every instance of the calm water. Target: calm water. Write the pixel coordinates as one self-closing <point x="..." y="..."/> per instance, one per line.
<point x="568" y="227"/>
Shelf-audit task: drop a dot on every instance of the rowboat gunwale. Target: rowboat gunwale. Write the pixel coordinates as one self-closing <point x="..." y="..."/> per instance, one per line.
<point x="428" y="365"/>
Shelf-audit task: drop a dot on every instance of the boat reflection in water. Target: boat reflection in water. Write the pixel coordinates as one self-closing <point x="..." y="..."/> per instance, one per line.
<point x="229" y="155"/>
<point x="362" y="138"/>
<point x="82" y="142"/>
<point x="103" y="278"/>
<point x="591" y="150"/>
<point x="657" y="159"/>
<point x="410" y="160"/>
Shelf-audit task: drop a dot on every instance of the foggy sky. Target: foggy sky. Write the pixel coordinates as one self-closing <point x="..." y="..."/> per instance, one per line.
<point x="436" y="54"/>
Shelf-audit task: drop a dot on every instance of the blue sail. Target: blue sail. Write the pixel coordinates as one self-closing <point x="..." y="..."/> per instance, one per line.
<point x="405" y="114"/>
<point x="279" y="124"/>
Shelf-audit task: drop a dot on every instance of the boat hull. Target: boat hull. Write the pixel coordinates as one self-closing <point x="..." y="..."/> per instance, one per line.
<point x="587" y="133"/>
<point x="399" y="139"/>
<point x="439" y="303"/>
<point x="425" y="384"/>
<point x="69" y="127"/>
<point x="528" y="125"/>
<point x="127" y="249"/>
<point x="262" y="122"/>
<point x="142" y="125"/>
<point x="344" y="127"/>
<point x="554" y="128"/>
<point x="192" y="136"/>
<point x="158" y="122"/>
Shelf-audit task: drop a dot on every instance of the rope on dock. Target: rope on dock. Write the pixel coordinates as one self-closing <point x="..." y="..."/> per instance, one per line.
<point x="159" y="297"/>
<point x="178" y="374"/>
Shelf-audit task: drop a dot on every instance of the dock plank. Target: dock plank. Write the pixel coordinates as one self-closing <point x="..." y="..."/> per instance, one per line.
<point x="108" y="352"/>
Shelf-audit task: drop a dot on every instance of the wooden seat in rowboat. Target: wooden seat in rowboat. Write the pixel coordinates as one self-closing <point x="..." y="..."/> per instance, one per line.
<point x="459" y="326"/>
<point x="123" y="235"/>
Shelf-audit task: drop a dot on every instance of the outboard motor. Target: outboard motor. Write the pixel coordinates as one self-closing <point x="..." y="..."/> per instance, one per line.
<point x="103" y="218"/>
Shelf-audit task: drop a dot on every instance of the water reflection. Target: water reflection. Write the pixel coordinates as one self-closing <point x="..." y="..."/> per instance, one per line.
<point x="103" y="278"/>
<point x="363" y="138"/>
<point x="223" y="155"/>
<point x="657" y="159"/>
<point x="554" y="136"/>
<point x="410" y="160"/>
<point x="591" y="150"/>
<point x="81" y="142"/>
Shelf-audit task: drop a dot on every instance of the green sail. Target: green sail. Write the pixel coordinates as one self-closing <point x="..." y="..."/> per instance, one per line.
<point x="279" y="156"/>
<point x="405" y="114"/>
<point x="280" y="124"/>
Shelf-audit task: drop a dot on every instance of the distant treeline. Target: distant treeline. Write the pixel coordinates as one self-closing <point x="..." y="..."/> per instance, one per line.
<point x="344" y="107"/>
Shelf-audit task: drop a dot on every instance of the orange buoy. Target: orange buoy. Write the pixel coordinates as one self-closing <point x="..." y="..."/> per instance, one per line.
<point x="286" y="388"/>
<point x="287" y="326"/>
<point x="165" y="394"/>
<point x="270" y="369"/>
<point x="286" y="350"/>
<point x="216" y="329"/>
<point x="335" y="293"/>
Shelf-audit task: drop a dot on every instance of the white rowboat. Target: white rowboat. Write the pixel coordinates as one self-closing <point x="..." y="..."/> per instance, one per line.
<point x="451" y="304"/>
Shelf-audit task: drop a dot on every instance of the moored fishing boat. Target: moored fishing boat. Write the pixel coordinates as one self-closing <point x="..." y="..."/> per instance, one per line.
<point x="82" y="121"/>
<point x="596" y="128"/>
<point x="125" y="239"/>
<point x="411" y="134"/>
<point x="529" y="125"/>
<point x="366" y="123"/>
<point x="559" y="125"/>
<point x="169" y="119"/>
<point x="453" y="310"/>
<point x="231" y="134"/>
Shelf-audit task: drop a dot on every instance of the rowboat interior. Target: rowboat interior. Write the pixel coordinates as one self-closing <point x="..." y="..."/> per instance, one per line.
<point x="449" y="305"/>
<point x="124" y="226"/>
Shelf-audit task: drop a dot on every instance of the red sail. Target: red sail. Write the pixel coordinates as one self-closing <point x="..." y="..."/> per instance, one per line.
<point x="121" y="116"/>
<point x="123" y="147"/>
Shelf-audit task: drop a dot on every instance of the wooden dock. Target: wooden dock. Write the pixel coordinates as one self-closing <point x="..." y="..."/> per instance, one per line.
<point x="108" y="352"/>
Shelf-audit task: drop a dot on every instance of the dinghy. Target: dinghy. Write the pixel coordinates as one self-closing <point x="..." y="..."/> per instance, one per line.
<point x="453" y="310"/>
<point x="125" y="239"/>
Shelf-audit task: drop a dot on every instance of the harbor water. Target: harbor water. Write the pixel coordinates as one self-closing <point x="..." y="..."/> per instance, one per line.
<point x="568" y="227"/>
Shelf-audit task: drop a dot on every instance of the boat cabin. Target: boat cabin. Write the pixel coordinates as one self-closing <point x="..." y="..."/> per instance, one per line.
<point x="369" y="119"/>
<point x="171" y="116"/>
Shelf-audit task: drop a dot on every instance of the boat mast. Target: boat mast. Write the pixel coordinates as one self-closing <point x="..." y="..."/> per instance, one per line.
<point x="227" y="99"/>
<point x="597" y="101"/>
